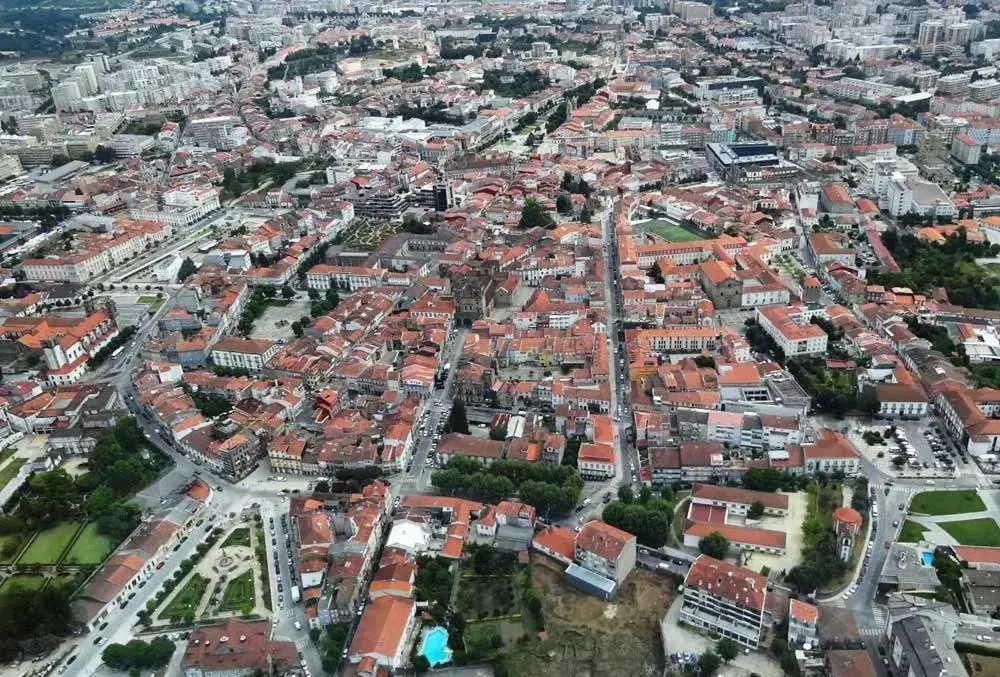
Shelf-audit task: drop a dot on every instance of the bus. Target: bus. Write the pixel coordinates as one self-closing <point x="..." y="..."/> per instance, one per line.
<point x="118" y="351"/>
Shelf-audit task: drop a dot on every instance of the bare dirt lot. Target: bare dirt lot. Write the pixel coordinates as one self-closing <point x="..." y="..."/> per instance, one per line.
<point x="588" y="637"/>
<point x="981" y="666"/>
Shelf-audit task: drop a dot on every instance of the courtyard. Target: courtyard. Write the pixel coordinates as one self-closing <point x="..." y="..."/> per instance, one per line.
<point x="275" y="324"/>
<point x="791" y="526"/>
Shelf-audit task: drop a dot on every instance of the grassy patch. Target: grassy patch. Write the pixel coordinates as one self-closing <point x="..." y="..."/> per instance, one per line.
<point x="90" y="548"/>
<point x="946" y="502"/>
<point x="9" y="471"/>
<point x="185" y="603"/>
<point x="240" y="536"/>
<point x="48" y="546"/>
<point x="238" y="595"/>
<point x="983" y="531"/>
<point x="154" y="302"/>
<point x="24" y="582"/>
<point x="912" y="532"/>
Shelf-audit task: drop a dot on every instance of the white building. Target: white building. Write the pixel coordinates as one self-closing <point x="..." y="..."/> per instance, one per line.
<point x="794" y="334"/>
<point x="250" y="354"/>
<point x="725" y="599"/>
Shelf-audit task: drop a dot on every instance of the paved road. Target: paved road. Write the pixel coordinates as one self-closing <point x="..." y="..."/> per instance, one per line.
<point x="626" y="455"/>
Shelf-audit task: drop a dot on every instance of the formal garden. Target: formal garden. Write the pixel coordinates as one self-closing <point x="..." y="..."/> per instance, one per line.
<point x="216" y="582"/>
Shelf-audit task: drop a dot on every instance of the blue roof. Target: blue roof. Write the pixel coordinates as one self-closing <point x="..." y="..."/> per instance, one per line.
<point x="590" y="578"/>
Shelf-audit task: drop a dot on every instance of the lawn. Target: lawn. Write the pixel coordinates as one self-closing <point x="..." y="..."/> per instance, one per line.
<point x="90" y="548"/>
<point x="912" y="532"/>
<point x="239" y="594"/>
<point x="983" y="531"/>
<point x="154" y="302"/>
<point x="24" y="581"/>
<point x="947" y="502"/>
<point x="9" y="471"/>
<point x="48" y="545"/>
<point x="238" y="537"/>
<point x="185" y="603"/>
<point x="669" y="231"/>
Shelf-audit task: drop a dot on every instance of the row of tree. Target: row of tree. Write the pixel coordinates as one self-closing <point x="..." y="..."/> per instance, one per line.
<point x="550" y="488"/>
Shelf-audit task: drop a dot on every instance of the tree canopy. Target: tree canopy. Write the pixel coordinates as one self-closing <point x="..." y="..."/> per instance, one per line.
<point x="714" y="545"/>
<point x="535" y="215"/>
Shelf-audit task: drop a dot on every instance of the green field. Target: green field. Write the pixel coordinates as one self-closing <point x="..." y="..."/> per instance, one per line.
<point x="48" y="545"/>
<point x="154" y="302"/>
<point x="238" y="537"/>
<point x="24" y="581"/>
<point x="946" y="502"/>
<point x="9" y="471"/>
<point x="912" y="532"/>
<point x="238" y="595"/>
<point x="983" y="531"/>
<point x="669" y="231"/>
<point x="185" y="603"/>
<point x="90" y="548"/>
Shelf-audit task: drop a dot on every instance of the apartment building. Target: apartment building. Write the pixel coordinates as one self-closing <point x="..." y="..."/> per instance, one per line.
<point x="596" y="461"/>
<point x="793" y="333"/>
<point x="726" y="599"/>
<point x="605" y="550"/>
<point x="236" y="353"/>
<point x="802" y="619"/>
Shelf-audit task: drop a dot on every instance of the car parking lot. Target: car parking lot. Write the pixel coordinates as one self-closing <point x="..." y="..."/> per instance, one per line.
<point x="924" y="445"/>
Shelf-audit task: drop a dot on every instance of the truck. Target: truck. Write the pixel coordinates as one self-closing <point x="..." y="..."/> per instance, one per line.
<point x="295" y="593"/>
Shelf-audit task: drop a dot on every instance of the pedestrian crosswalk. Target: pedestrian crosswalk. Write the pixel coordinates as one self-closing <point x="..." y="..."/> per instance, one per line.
<point x="879" y="487"/>
<point x="871" y="632"/>
<point x="881" y="618"/>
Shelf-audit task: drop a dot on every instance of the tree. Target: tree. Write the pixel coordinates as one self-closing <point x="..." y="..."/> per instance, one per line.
<point x="625" y="493"/>
<point x="104" y="155"/>
<point x="421" y="664"/>
<point x="187" y="269"/>
<point x="535" y="215"/>
<point x="58" y="160"/>
<point x="708" y="664"/>
<point x="645" y="494"/>
<point x="655" y="273"/>
<point x="585" y="215"/>
<point x="756" y="510"/>
<point x="714" y="545"/>
<point x="763" y="479"/>
<point x="498" y="433"/>
<point x="458" y="422"/>
<point x="563" y="203"/>
<point x="287" y="292"/>
<point x="728" y="649"/>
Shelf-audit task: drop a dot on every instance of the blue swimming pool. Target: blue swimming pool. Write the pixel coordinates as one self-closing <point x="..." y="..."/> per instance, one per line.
<point x="434" y="646"/>
<point x="927" y="558"/>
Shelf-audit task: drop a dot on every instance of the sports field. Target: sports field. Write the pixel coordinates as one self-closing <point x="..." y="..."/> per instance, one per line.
<point x="48" y="545"/>
<point x="668" y="231"/>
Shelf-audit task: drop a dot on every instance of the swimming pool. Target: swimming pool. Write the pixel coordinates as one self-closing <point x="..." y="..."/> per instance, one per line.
<point x="434" y="646"/>
<point x="927" y="558"/>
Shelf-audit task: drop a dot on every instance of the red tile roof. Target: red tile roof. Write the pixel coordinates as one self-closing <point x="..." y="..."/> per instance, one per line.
<point x="382" y="626"/>
<point x="803" y="612"/>
<point x="245" y="647"/>
<point x="728" y="581"/>
<point x="559" y="540"/>
<point x="714" y="492"/>
<point x="738" y="534"/>
<point x="603" y="539"/>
